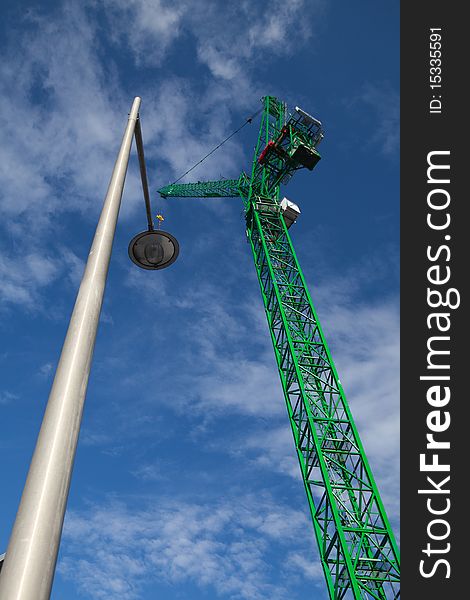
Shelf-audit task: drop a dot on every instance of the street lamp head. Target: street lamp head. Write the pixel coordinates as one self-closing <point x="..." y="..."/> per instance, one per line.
<point x="153" y="249"/>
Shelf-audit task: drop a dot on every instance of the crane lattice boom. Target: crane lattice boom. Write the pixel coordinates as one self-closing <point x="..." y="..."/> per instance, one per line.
<point x="357" y="547"/>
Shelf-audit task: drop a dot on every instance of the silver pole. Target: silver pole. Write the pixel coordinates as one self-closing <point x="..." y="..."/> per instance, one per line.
<point x="31" y="556"/>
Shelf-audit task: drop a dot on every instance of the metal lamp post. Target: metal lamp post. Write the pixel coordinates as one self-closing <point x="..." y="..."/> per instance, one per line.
<point x="31" y="556"/>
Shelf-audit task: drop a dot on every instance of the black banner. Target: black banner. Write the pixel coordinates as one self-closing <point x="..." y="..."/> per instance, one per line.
<point x="434" y="294"/>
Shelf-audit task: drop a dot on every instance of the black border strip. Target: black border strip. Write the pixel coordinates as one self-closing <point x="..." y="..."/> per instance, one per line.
<point x="423" y="245"/>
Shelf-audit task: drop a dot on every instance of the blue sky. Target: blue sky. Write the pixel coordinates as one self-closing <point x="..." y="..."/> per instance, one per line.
<point x="186" y="483"/>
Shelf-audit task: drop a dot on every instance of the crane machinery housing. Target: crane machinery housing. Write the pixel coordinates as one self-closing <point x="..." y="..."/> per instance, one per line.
<point x="357" y="547"/>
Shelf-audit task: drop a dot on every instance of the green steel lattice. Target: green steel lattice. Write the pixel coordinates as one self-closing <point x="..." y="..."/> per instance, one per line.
<point x="357" y="547"/>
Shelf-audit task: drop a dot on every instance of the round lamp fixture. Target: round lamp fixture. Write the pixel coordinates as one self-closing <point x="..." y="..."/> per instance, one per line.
<point x="153" y="249"/>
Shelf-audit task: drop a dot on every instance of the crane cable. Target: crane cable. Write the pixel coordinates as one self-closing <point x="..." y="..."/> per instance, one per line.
<point x="248" y="120"/>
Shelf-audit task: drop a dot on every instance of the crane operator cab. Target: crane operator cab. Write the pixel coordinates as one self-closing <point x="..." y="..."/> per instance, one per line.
<point x="296" y="143"/>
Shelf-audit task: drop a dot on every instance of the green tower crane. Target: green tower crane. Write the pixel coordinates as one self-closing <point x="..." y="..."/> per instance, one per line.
<point x="358" y="551"/>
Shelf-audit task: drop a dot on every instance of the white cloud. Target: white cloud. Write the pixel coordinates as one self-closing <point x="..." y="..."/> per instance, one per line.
<point x="22" y="279"/>
<point x="6" y="397"/>
<point x="176" y="108"/>
<point x="59" y="149"/>
<point x="250" y="35"/>
<point x="365" y="342"/>
<point x="229" y="378"/>
<point x="148" y="472"/>
<point x="89" y="438"/>
<point x="249" y="31"/>
<point x="46" y="369"/>
<point x="149" y="27"/>
<point x="185" y="125"/>
<point x="285" y="28"/>
<point x="364" y="339"/>
<point x="63" y="136"/>
<point x="220" y="65"/>
<point x="384" y="128"/>
<point x="369" y="370"/>
<point x="74" y="266"/>
<point x="25" y="279"/>
<point x="224" y="545"/>
<point x="270" y="447"/>
<point x="311" y="570"/>
<point x="250" y="388"/>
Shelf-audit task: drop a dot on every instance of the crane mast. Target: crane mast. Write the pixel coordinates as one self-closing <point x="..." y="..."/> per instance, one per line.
<point x="356" y="543"/>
